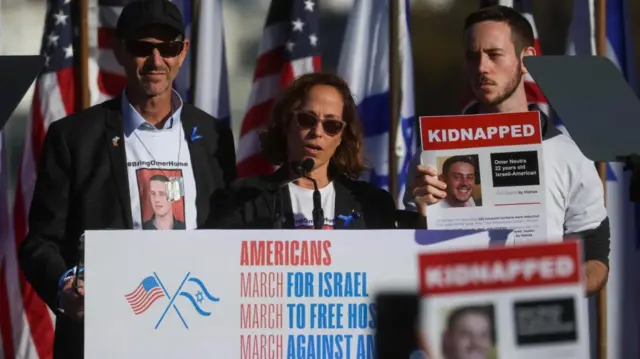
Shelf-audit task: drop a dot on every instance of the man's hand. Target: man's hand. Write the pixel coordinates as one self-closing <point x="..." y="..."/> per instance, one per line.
<point x="597" y="274"/>
<point x="72" y="300"/>
<point x="426" y="188"/>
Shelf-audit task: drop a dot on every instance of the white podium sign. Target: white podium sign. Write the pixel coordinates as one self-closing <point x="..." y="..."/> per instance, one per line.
<point x="246" y="294"/>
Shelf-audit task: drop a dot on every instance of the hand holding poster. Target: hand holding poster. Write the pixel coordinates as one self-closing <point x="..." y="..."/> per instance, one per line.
<point x="518" y="302"/>
<point x="492" y="166"/>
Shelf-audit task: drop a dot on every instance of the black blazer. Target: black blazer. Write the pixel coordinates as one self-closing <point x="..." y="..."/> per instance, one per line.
<point x="82" y="184"/>
<point x="252" y="204"/>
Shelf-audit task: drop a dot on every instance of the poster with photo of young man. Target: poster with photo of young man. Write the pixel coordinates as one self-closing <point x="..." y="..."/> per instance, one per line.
<point x="161" y="199"/>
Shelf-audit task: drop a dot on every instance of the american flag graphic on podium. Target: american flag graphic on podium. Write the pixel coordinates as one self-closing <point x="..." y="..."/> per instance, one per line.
<point x="289" y="48"/>
<point x="26" y="323"/>
<point x="147" y="292"/>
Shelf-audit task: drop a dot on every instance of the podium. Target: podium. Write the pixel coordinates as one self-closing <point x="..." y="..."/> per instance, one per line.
<point x="256" y="294"/>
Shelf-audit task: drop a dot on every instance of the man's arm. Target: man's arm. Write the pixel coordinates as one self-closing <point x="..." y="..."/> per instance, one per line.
<point x="586" y="217"/>
<point x="40" y="252"/>
<point x="596" y="248"/>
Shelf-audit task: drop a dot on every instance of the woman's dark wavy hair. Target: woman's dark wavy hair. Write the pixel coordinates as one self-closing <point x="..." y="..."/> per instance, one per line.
<point x="348" y="159"/>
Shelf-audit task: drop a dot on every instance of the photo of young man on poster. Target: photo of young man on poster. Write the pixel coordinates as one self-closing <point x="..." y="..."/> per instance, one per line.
<point x="462" y="175"/>
<point x="469" y="333"/>
<point x="161" y="198"/>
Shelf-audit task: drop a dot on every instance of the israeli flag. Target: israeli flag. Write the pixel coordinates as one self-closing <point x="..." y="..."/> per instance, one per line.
<point x="364" y="64"/>
<point x="198" y="295"/>
<point x="212" y="84"/>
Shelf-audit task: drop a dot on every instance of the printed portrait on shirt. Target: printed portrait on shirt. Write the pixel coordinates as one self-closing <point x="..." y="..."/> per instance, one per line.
<point x="161" y="198"/>
<point x="462" y="176"/>
<point x="468" y="332"/>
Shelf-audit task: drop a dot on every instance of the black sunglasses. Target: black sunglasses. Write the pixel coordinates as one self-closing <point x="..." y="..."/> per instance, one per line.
<point x="307" y="120"/>
<point x="145" y="48"/>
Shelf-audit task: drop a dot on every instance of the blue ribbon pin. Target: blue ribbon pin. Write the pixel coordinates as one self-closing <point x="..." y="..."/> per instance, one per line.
<point x="194" y="135"/>
<point x="349" y="218"/>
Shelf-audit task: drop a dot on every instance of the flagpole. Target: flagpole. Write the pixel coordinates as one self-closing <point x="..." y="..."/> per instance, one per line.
<point x="83" y="58"/>
<point x="601" y="298"/>
<point x="394" y="93"/>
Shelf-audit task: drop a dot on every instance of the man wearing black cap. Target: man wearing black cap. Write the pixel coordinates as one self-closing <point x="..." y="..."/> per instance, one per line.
<point x="97" y="164"/>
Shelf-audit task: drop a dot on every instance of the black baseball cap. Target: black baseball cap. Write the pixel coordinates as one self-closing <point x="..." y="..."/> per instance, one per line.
<point x="140" y="13"/>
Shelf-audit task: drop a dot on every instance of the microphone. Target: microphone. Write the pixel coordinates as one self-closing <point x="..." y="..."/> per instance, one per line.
<point x="305" y="167"/>
<point x="300" y="170"/>
<point x="318" y="214"/>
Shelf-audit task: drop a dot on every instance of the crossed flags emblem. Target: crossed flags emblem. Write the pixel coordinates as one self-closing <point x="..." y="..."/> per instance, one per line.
<point x="151" y="289"/>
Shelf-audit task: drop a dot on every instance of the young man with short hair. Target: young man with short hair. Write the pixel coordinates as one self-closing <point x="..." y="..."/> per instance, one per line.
<point x="496" y="39"/>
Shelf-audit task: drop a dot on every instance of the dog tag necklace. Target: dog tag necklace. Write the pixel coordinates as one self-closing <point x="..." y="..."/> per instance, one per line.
<point x="174" y="187"/>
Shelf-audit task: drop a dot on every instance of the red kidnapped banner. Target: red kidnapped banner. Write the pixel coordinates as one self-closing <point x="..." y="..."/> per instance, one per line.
<point x="500" y="268"/>
<point x="472" y="131"/>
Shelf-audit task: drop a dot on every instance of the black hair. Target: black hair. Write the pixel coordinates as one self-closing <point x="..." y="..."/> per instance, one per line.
<point x="521" y="30"/>
<point x="453" y="159"/>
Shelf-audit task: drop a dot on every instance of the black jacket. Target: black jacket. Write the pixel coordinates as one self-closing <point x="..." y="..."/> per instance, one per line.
<point x="82" y="184"/>
<point x="253" y="202"/>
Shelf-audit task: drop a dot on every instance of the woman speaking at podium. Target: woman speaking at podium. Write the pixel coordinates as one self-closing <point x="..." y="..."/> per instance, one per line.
<point x="315" y="137"/>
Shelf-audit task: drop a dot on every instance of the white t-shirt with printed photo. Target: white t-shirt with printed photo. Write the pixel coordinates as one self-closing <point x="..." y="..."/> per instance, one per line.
<point x="162" y="186"/>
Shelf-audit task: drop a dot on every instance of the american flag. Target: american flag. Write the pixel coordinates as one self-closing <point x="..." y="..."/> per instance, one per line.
<point x="147" y="292"/>
<point x="109" y="79"/>
<point x="107" y="76"/>
<point x="534" y="95"/>
<point x="289" y="48"/>
<point x="27" y="323"/>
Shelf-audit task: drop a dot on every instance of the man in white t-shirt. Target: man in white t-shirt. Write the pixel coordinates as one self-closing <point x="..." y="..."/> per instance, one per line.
<point x="496" y="39"/>
<point x="109" y="166"/>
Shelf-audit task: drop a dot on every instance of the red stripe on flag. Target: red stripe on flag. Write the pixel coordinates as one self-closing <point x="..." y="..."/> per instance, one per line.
<point x="536" y="46"/>
<point x="36" y="311"/>
<point x="255" y="165"/>
<point x="104" y="37"/>
<point x="111" y="84"/>
<point x="6" y="327"/>
<point x="256" y="116"/>
<point x="67" y="88"/>
<point x="269" y="63"/>
<point x="317" y="63"/>
<point x="37" y="139"/>
<point x="288" y="75"/>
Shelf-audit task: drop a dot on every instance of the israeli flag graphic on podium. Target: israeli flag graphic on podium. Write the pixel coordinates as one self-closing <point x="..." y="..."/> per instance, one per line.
<point x="198" y="295"/>
<point x="364" y="64"/>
